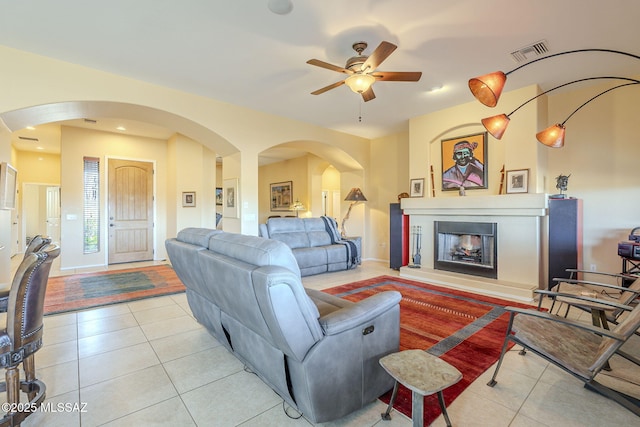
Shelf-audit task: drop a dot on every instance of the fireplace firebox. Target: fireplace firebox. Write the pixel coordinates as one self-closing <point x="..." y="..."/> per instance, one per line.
<point x="466" y="247"/>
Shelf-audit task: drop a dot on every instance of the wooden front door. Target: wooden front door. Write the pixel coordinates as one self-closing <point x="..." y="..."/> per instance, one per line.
<point x="130" y="211"/>
<point x="53" y="213"/>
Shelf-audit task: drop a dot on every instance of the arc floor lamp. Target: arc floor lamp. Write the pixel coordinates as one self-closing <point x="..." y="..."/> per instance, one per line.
<point x="553" y="136"/>
<point x="488" y="88"/>
<point x="497" y="125"/>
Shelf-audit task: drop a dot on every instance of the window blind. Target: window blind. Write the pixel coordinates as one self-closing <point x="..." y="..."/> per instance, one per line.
<point x="91" y="205"/>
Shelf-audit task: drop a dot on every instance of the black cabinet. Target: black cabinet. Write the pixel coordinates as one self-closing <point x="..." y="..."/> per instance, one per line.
<point x="565" y="237"/>
<point x="398" y="237"/>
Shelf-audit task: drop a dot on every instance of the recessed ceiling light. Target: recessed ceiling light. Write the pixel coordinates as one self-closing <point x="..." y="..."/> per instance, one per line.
<point x="280" y="7"/>
<point x="436" y="88"/>
<point x="121" y="128"/>
<point x="39" y="148"/>
<point x="31" y="128"/>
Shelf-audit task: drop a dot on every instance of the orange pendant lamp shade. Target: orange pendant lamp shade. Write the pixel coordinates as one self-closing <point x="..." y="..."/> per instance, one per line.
<point x="552" y="136"/>
<point x="496" y="125"/>
<point x="487" y="88"/>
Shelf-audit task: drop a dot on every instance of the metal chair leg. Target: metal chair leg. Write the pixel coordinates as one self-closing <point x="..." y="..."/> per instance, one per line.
<point x="386" y="416"/>
<point x="444" y="409"/>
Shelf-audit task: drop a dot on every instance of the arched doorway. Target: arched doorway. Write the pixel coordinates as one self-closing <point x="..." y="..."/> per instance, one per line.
<point x="70" y="213"/>
<point x="320" y="174"/>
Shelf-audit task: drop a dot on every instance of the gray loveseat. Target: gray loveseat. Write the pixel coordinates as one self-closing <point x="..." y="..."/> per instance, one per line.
<point x="315" y="242"/>
<point x="318" y="352"/>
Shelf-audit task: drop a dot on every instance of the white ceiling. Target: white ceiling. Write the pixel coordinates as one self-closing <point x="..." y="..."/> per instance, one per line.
<point x="242" y="53"/>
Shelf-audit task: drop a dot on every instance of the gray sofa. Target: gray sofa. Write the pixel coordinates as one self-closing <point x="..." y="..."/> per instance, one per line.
<point x="315" y="242"/>
<point x="318" y="352"/>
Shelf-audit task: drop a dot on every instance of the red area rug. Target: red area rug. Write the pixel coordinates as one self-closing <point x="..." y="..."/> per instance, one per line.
<point x="464" y="329"/>
<point x="82" y="291"/>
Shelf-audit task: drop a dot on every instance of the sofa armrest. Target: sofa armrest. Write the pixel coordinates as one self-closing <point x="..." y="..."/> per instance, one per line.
<point x="359" y="313"/>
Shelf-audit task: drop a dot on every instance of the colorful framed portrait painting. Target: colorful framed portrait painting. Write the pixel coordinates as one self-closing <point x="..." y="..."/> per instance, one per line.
<point x="464" y="162"/>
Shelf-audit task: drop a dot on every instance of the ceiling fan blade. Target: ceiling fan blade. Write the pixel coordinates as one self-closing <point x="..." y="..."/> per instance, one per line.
<point x="380" y="54"/>
<point x="398" y="76"/>
<point x="328" y="66"/>
<point x="326" y="88"/>
<point x="368" y="94"/>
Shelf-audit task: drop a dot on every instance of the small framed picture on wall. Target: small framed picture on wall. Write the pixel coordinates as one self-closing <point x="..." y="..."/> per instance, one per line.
<point x="281" y="195"/>
<point x="188" y="199"/>
<point x="230" y="204"/>
<point x="417" y="187"/>
<point x="518" y="181"/>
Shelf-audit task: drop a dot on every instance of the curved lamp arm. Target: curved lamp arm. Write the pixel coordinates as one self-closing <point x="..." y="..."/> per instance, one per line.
<point x="488" y="88"/>
<point x="553" y="136"/>
<point x="497" y="125"/>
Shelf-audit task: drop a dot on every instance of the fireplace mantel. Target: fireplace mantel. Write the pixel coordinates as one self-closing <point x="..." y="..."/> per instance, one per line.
<point x="503" y="205"/>
<point x="521" y="238"/>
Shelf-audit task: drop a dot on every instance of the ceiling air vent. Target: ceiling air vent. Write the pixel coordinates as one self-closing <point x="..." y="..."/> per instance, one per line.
<point x="26" y="138"/>
<point x="531" y="51"/>
<point x="90" y="121"/>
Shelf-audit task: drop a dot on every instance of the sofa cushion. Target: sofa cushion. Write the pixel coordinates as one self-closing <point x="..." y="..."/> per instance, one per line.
<point x="293" y="239"/>
<point x="336" y="253"/>
<point x="310" y="257"/>
<point x="318" y="238"/>
<point x="254" y="250"/>
<point x="285" y="225"/>
<point x="290" y="231"/>
<point x="196" y="236"/>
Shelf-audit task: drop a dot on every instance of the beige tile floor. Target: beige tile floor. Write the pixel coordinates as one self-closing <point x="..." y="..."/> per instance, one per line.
<point x="150" y="363"/>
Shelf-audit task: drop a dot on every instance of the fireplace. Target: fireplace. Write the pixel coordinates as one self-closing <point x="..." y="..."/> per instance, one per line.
<point x="520" y="248"/>
<point x="466" y="247"/>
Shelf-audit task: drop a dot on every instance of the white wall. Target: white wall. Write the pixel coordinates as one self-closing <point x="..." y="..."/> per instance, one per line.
<point x="5" y="215"/>
<point x="39" y="90"/>
<point x="78" y="143"/>
<point x="600" y="153"/>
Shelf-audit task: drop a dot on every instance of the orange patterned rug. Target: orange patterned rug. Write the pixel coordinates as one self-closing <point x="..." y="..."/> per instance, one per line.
<point x="464" y="329"/>
<point x="82" y="291"/>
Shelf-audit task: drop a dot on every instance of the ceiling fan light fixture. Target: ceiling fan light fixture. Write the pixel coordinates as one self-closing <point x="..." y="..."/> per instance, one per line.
<point x="360" y="83"/>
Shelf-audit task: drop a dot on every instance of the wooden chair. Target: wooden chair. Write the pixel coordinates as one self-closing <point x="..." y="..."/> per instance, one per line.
<point x="580" y="349"/>
<point x="601" y="314"/>
<point x="37" y="243"/>
<point x="22" y="336"/>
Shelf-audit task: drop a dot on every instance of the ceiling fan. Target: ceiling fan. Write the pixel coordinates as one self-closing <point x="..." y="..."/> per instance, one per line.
<point x="362" y="70"/>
